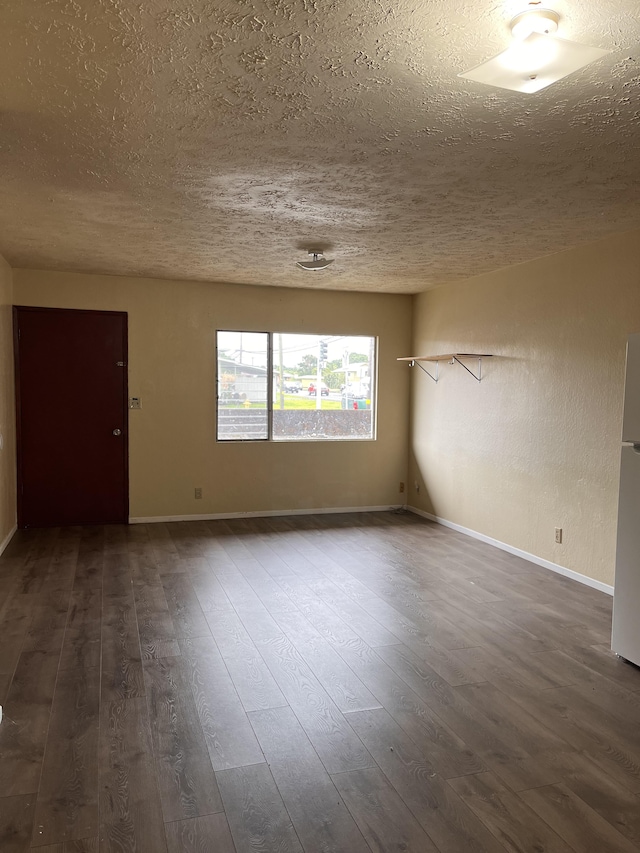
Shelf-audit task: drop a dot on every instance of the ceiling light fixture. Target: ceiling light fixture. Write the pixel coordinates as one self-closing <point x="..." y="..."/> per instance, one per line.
<point x="537" y="58"/>
<point x="319" y="262"/>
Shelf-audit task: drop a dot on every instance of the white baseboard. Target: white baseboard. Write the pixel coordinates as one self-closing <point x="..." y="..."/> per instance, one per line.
<point x="7" y="538"/>
<point x="517" y="552"/>
<point x="261" y="513"/>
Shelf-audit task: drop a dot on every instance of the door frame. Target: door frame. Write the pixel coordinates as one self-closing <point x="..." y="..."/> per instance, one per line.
<point x="125" y="398"/>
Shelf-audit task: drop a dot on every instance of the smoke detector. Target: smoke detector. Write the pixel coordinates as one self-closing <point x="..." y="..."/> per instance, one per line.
<point x="319" y="262"/>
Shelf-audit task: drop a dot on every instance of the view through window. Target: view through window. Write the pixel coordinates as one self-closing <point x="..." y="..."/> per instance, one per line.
<point x="288" y="387"/>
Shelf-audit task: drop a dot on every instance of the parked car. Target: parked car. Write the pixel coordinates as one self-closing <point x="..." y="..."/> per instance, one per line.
<point x="291" y="387"/>
<point x="324" y="390"/>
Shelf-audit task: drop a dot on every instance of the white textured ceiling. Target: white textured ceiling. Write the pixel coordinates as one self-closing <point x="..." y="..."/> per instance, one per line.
<point x="214" y="140"/>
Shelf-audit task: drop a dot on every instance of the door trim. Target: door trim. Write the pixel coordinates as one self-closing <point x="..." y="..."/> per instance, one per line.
<point x="125" y="399"/>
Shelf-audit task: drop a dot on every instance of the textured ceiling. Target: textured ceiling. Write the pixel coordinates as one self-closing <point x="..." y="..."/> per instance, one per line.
<point x="215" y="140"/>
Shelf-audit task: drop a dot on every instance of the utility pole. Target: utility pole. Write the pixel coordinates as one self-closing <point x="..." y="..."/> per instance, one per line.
<point x="281" y="372"/>
<point x="345" y="367"/>
<point x="319" y="376"/>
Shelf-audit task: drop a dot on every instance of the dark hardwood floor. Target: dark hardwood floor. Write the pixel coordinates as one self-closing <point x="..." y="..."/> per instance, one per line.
<point x="353" y="683"/>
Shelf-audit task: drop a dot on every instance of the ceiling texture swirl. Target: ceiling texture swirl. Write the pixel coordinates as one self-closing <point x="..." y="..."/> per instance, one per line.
<point x="219" y="140"/>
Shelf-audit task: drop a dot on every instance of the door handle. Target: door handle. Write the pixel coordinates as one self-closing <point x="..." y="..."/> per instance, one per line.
<point x="117" y="432"/>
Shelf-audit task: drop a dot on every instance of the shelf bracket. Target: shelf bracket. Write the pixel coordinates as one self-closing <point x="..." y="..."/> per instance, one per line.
<point x="424" y="369"/>
<point x="477" y="377"/>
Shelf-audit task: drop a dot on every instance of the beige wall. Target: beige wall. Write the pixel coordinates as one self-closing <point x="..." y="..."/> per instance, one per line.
<point x="171" y="367"/>
<point x="7" y="407"/>
<point x="536" y="445"/>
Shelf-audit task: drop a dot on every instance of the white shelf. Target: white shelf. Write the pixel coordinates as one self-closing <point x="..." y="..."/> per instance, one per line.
<point x="451" y="358"/>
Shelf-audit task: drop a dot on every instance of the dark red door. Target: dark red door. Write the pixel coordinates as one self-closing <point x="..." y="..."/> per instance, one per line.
<point x="71" y="399"/>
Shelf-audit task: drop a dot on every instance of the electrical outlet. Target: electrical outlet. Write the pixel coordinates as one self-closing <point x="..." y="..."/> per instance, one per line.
<point x="559" y="535"/>
<point x="401" y="489"/>
<point x="135" y="403"/>
<point x="197" y="493"/>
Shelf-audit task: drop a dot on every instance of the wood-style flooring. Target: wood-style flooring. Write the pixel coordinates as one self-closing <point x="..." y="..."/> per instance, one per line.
<point x="356" y="683"/>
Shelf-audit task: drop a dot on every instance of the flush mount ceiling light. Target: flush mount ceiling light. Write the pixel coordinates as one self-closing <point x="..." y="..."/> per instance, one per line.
<point x="319" y="262"/>
<point x="537" y="58"/>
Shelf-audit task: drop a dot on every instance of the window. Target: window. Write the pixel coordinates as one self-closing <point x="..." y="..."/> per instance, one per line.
<point x="283" y="387"/>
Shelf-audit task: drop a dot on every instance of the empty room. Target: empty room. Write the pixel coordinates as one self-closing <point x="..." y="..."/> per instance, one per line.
<point x="319" y="426"/>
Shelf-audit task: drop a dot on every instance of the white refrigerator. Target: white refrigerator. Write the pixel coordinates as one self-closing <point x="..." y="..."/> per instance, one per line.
<point x="625" y="640"/>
